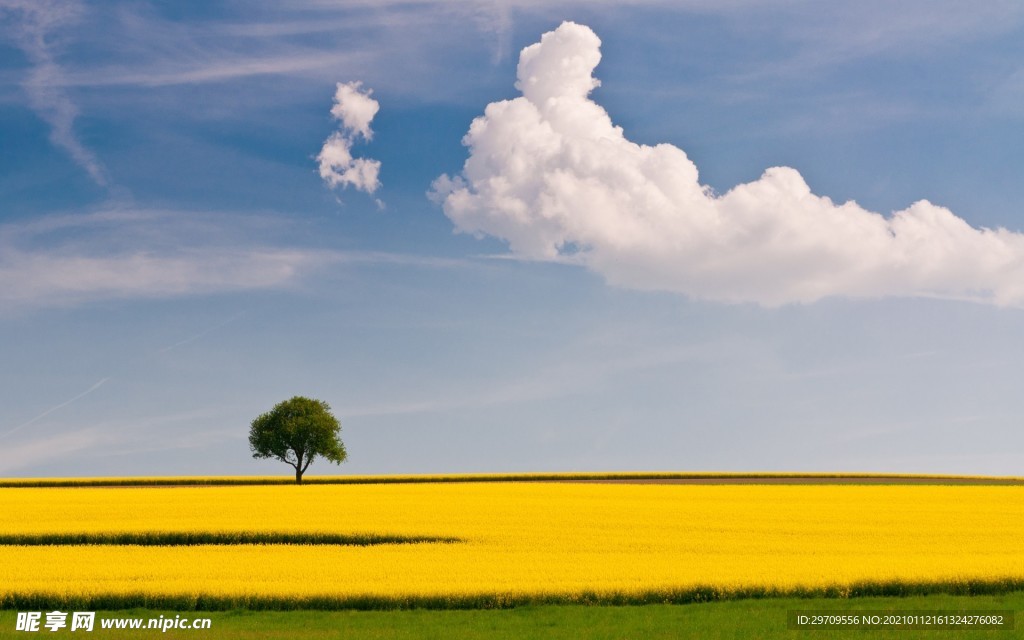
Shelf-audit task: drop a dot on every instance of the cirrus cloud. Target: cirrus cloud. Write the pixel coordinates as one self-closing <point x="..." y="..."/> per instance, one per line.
<point x="33" y="28"/>
<point x="550" y="174"/>
<point x="67" y="260"/>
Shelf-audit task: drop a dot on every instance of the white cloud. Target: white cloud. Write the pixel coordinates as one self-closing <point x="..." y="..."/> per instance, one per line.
<point x="355" y="110"/>
<point x="15" y="457"/>
<point x="551" y="174"/>
<point x="213" y="71"/>
<point x="35" y="22"/>
<point x="69" y="260"/>
<point x="48" y="278"/>
<point x="57" y="445"/>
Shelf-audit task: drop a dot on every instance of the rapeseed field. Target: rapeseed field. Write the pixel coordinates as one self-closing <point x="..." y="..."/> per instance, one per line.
<point x="500" y="543"/>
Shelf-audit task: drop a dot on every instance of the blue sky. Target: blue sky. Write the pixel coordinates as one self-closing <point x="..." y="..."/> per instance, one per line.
<point x="172" y="264"/>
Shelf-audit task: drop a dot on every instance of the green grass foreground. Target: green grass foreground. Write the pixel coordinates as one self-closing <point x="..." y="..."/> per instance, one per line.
<point x="714" y="620"/>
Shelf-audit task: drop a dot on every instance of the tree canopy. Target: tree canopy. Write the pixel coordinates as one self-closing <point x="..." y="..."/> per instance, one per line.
<point x="296" y="431"/>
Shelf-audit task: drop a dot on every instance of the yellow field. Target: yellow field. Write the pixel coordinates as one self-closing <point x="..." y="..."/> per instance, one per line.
<point x="519" y="542"/>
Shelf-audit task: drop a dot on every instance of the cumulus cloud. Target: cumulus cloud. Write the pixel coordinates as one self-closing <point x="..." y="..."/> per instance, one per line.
<point x="549" y="173"/>
<point x="355" y="110"/>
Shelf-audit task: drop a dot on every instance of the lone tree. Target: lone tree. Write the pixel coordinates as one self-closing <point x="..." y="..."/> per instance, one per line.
<point x="296" y="431"/>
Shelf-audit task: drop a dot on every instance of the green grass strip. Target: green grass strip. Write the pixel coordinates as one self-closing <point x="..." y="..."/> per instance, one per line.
<point x="370" y="602"/>
<point x="761" y="619"/>
<point x="190" y="538"/>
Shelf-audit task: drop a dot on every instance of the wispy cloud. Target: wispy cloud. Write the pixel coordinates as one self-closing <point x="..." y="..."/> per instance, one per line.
<point x="67" y="260"/>
<point x="86" y="448"/>
<point x="212" y="71"/>
<point x="877" y="28"/>
<point x="59" y="279"/>
<point x="42" y="450"/>
<point x="569" y="375"/>
<point x="405" y="46"/>
<point x="34" y="27"/>
<point x="203" y="333"/>
<point x="42" y="415"/>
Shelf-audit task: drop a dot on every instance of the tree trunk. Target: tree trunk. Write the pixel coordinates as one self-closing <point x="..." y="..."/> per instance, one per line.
<point x="298" y="466"/>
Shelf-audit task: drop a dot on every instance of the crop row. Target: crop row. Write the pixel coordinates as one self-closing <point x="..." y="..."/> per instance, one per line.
<point x="372" y="602"/>
<point x="193" y="538"/>
<point x="865" y="478"/>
